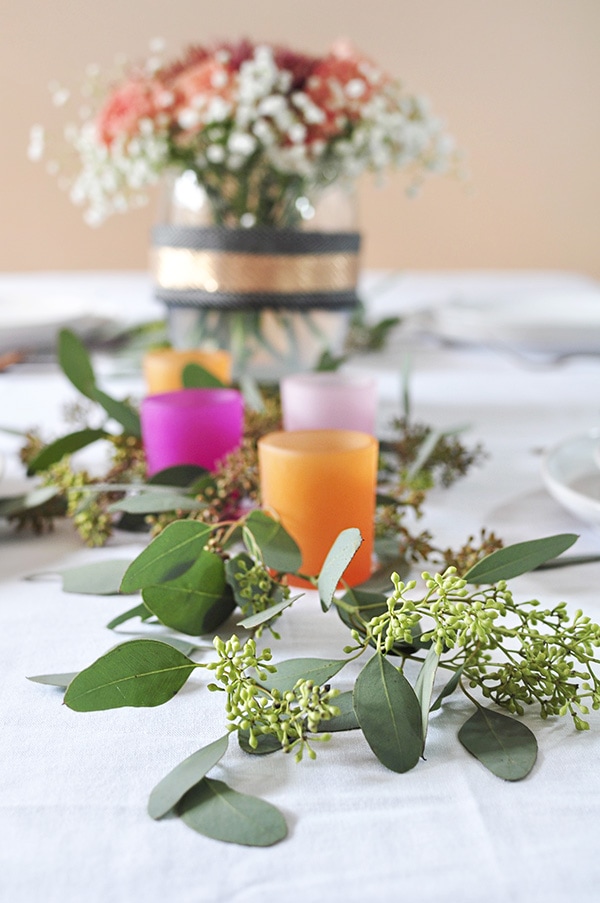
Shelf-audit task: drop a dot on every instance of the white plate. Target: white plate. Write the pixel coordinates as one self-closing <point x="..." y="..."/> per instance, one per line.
<point x="559" y="321"/>
<point x="572" y="476"/>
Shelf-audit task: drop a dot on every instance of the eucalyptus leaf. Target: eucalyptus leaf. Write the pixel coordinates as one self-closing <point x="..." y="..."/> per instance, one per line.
<point x="197" y="601"/>
<point x="338" y="558"/>
<point x="263" y="617"/>
<point x="183" y="476"/>
<point x="448" y="690"/>
<point x="381" y="579"/>
<point x="136" y="673"/>
<point x="99" y="578"/>
<point x="511" y="561"/>
<point x="120" y="411"/>
<point x="278" y="549"/>
<point x="290" y="671"/>
<point x="28" y="502"/>
<point x="194" y="376"/>
<point x="265" y="744"/>
<point x="389" y="714"/>
<point x="156" y="502"/>
<point x="66" y="445"/>
<point x="346" y="720"/>
<point x="184" y="776"/>
<point x="171" y="553"/>
<point x="184" y="646"/>
<point x="424" y="687"/>
<point x="138" y="611"/>
<point x="75" y="362"/>
<point x="504" y="745"/>
<point x="55" y="680"/>
<point x="215" y="810"/>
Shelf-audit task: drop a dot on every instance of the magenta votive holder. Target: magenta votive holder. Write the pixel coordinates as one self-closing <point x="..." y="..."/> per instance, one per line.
<point x="191" y="426"/>
<point x="329" y="401"/>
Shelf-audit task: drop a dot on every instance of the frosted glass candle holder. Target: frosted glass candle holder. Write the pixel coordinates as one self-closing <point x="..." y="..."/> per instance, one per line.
<point x="316" y="401"/>
<point x="320" y="482"/>
<point x="191" y="426"/>
<point x="163" y="367"/>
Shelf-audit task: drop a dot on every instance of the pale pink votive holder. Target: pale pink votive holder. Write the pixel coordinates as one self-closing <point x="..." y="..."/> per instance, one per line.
<point x="191" y="426"/>
<point x="329" y="401"/>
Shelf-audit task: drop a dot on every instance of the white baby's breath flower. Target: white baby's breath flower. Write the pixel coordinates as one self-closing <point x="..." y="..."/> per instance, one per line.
<point x="296" y="133"/>
<point x="35" y="148"/>
<point x="215" y="153"/>
<point x="189" y="119"/>
<point x="218" y="110"/>
<point x="241" y="143"/>
<point x="355" y="88"/>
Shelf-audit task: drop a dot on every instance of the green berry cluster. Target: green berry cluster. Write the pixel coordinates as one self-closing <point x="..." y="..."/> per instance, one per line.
<point x="256" y="590"/>
<point x="516" y="653"/>
<point x="292" y="717"/>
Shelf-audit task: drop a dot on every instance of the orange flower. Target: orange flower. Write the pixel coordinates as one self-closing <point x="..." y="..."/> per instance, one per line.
<point x="341" y="84"/>
<point x="122" y="112"/>
<point x="209" y="78"/>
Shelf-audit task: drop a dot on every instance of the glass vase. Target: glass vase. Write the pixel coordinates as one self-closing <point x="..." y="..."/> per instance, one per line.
<point x="277" y="298"/>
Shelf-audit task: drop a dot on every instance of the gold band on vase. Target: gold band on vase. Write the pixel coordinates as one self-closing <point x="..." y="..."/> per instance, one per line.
<point x="231" y="272"/>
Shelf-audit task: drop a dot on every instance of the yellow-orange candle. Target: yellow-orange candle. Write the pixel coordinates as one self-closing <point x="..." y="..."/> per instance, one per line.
<point x="163" y="367"/>
<point x="321" y="482"/>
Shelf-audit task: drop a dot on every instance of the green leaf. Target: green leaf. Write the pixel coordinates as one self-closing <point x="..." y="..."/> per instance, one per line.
<point x="266" y="744"/>
<point x="381" y="579"/>
<point x="171" y="553"/>
<point x="389" y="714"/>
<point x="338" y="558"/>
<point x="28" y="502"/>
<point x="138" y="611"/>
<point x="55" y="680"/>
<point x="346" y="720"/>
<point x="216" y="810"/>
<point x="66" y="445"/>
<point x="424" y="687"/>
<point x="120" y="411"/>
<point x="511" y="561"/>
<point x="290" y="671"/>
<point x="75" y="362"/>
<point x="194" y="376"/>
<point x="197" y="601"/>
<point x="184" y="776"/>
<point x="278" y="549"/>
<point x="183" y="476"/>
<point x="136" y="673"/>
<point x="504" y="745"/>
<point x="262" y="617"/>
<point x="154" y="502"/>
<point x="100" y="578"/>
<point x="448" y="689"/>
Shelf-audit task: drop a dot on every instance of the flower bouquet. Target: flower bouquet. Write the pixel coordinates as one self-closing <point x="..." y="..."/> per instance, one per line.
<point x="250" y="141"/>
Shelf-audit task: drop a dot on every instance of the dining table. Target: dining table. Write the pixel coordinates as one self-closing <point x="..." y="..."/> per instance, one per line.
<point x="509" y="361"/>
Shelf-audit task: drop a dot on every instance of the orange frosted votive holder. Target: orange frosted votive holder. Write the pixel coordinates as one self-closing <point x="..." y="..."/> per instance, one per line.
<point x="320" y="482"/>
<point x="163" y="367"/>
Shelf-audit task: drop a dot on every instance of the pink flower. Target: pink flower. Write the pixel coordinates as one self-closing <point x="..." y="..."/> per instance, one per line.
<point x="127" y="105"/>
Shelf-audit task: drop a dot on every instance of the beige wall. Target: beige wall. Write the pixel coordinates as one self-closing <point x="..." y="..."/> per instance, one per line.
<point x="516" y="80"/>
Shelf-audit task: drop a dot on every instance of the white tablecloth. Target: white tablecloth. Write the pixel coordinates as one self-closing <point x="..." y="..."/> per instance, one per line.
<point x="73" y="787"/>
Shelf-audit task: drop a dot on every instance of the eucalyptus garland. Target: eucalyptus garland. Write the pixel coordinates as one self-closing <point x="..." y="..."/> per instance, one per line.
<point x="218" y="564"/>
